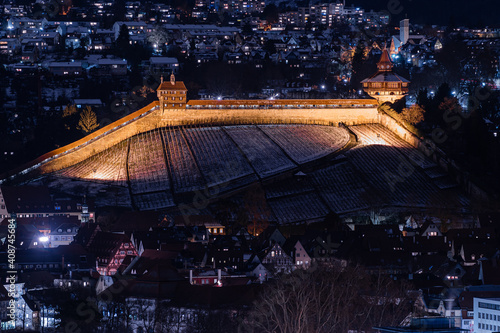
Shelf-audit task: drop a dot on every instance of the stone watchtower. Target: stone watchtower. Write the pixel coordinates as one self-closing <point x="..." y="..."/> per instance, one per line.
<point x="171" y="94"/>
<point x="385" y="85"/>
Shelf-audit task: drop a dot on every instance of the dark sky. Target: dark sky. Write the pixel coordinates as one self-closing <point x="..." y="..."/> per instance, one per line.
<point x="464" y="12"/>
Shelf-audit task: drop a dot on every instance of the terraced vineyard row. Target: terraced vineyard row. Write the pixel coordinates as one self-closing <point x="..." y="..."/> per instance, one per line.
<point x="263" y="154"/>
<point x="343" y="189"/>
<point x="288" y="186"/>
<point x="185" y="173"/>
<point x="151" y="201"/>
<point x="146" y="163"/>
<point x="107" y="166"/>
<point x="378" y="134"/>
<point x="302" y="207"/>
<point x="386" y="169"/>
<point x="304" y="143"/>
<point x="218" y="157"/>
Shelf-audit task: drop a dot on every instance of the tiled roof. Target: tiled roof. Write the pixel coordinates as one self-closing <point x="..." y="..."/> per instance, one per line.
<point x="167" y="85"/>
<point x="385" y="77"/>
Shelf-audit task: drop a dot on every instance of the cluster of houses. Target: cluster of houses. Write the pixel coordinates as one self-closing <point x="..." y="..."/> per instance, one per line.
<point x="162" y="262"/>
<point x="43" y="46"/>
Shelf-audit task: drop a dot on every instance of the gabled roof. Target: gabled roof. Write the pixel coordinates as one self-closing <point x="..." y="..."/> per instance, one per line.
<point x="105" y="244"/>
<point x="167" y="85"/>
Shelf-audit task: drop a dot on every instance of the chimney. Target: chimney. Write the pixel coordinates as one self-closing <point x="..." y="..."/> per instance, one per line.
<point x="190" y="276"/>
<point x="161" y="79"/>
<point x="219" y="276"/>
<point x="172" y="79"/>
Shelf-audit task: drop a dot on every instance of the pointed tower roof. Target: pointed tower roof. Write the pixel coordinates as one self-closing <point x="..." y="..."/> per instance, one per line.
<point x="385" y="85"/>
<point x="385" y="63"/>
<point x="385" y="73"/>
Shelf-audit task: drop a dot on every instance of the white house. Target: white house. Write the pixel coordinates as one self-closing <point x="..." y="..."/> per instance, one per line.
<point x="486" y="315"/>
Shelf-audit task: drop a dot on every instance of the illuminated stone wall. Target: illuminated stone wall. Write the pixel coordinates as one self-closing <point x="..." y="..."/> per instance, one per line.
<point x="391" y="124"/>
<point x="150" y="117"/>
<point x="349" y="116"/>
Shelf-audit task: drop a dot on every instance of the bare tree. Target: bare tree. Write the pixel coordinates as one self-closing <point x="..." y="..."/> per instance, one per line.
<point x="88" y="120"/>
<point x="414" y="114"/>
<point x="158" y="37"/>
<point x="451" y="105"/>
<point x="69" y="110"/>
<point x="212" y="321"/>
<point x="328" y="300"/>
<point x="170" y="320"/>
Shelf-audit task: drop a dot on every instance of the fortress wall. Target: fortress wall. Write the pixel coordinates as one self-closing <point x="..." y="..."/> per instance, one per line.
<point x="119" y="131"/>
<point x="104" y="138"/>
<point x="349" y="116"/>
<point x="391" y="124"/>
<point x="147" y="119"/>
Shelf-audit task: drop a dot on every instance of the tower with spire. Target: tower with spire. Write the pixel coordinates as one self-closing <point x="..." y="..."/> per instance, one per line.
<point x="385" y="85"/>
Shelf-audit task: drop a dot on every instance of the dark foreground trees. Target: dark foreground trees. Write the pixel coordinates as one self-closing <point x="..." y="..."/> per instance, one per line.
<point x="329" y="300"/>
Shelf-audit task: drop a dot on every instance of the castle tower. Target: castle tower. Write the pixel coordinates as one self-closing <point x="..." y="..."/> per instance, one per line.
<point x="171" y="94"/>
<point x="385" y="85"/>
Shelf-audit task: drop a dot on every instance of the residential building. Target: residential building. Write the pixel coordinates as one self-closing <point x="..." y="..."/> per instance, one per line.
<point x="63" y="234"/>
<point x="73" y="68"/>
<point x="163" y="65"/>
<point x="113" y="67"/>
<point x="486" y="315"/>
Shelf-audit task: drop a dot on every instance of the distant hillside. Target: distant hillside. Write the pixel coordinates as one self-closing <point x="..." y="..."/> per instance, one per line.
<point x="441" y="12"/>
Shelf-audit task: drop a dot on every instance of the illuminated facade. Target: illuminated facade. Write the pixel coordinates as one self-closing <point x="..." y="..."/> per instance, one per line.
<point x="171" y="94"/>
<point x="385" y="85"/>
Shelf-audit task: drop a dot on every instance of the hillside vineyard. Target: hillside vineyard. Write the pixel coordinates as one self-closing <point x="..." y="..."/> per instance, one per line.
<point x="161" y="168"/>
